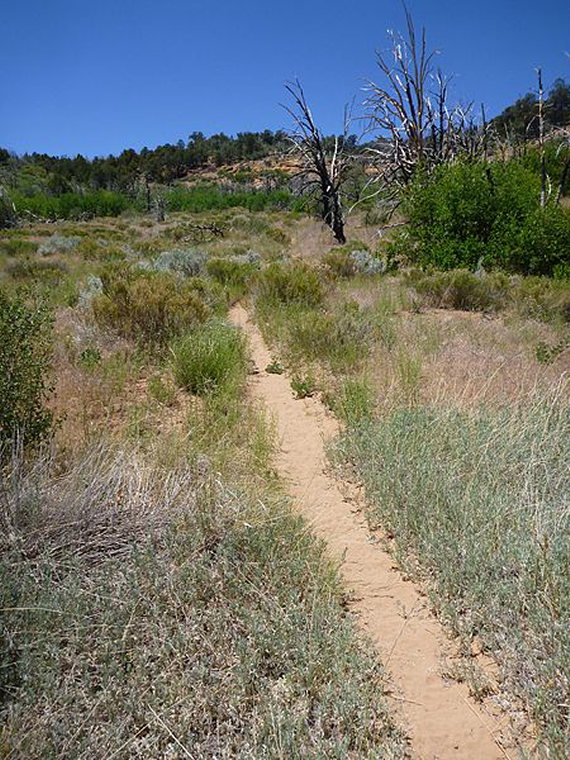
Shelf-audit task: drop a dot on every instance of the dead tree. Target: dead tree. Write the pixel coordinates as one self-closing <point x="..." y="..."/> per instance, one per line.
<point x="324" y="169"/>
<point x="543" y="176"/>
<point x="410" y="110"/>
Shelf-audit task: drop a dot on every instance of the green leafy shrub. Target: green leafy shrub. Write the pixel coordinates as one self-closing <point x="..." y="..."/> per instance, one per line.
<point x="73" y="205"/>
<point x="290" y="283"/>
<point x="150" y="307"/>
<point x="543" y="242"/>
<point x="25" y="354"/>
<point x="471" y="213"/>
<point x="209" y="358"/>
<point x="208" y="197"/>
<point x="8" y="217"/>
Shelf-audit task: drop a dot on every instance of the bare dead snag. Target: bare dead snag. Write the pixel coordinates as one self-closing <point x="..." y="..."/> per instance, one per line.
<point x="324" y="167"/>
<point x="541" y="139"/>
<point x="411" y="111"/>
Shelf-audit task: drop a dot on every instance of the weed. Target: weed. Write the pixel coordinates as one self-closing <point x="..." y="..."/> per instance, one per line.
<point x="90" y="358"/>
<point x="547" y="353"/>
<point x="303" y="386"/>
<point x="275" y="368"/>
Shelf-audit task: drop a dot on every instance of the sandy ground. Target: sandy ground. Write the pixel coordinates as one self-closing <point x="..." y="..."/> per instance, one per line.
<point x="442" y="720"/>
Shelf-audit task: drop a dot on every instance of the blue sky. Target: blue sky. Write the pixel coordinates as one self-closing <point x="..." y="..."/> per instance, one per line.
<point x="98" y="76"/>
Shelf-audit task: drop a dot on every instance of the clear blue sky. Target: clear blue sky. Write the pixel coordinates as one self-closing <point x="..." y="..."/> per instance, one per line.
<point x="98" y="76"/>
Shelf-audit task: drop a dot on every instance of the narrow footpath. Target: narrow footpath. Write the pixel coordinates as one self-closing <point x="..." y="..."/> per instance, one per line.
<point x="441" y="719"/>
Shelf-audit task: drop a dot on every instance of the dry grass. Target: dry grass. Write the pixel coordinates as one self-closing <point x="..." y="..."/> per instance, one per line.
<point x="154" y="612"/>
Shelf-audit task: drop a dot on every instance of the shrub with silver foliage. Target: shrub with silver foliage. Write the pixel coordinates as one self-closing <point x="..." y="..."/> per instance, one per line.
<point x="189" y="262"/>
<point x="58" y="244"/>
<point x="366" y="263"/>
<point x="93" y="287"/>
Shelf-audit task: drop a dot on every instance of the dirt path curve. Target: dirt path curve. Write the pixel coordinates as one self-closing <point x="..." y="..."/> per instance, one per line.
<point x="441" y="719"/>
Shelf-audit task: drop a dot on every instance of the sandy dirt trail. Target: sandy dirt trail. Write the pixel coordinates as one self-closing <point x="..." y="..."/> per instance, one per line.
<point x="442" y="721"/>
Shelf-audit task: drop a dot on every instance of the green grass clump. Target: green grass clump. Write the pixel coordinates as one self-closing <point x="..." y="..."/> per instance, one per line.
<point x="17" y="247"/>
<point x="354" y="403"/>
<point x="479" y="502"/>
<point x="352" y="259"/>
<point x="209" y="358"/>
<point x="25" y="358"/>
<point x="293" y="283"/>
<point x="541" y="298"/>
<point x="52" y="272"/>
<point x="341" y="337"/>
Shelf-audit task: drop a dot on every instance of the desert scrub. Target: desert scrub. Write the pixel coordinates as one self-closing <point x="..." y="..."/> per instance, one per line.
<point x="25" y="358"/>
<point x="461" y="289"/>
<point x="58" y="244"/>
<point x="48" y="272"/>
<point x="289" y="283"/>
<point x="149" y="307"/>
<point x="540" y="298"/>
<point x="478" y="502"/>
<point x="234" y="272"/>
<point x="349" y="261"/>
<point x="189" y="262"/>
<point x="209" y="358"/>
<point x="146" y="608"/>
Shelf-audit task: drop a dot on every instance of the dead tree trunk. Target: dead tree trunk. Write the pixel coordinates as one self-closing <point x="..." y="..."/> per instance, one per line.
<point x="541" y="139"/>
<point x="324" y="169"/>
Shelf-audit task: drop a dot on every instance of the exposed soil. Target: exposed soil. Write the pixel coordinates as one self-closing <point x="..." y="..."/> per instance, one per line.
<point x="442" y="720"/>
